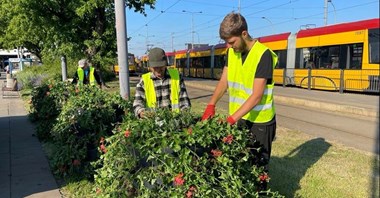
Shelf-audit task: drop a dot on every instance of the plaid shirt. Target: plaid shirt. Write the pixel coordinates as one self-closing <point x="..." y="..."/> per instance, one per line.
<point x="162" y="88"/>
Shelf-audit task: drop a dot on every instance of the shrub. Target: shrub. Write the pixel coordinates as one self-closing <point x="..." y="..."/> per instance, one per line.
<point x="46" y="104"/>
<point x="86" y="117"/>
<point x="174" y="155"/>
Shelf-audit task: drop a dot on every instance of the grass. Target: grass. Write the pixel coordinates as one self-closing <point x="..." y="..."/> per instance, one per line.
<point x="306" y="166"/>
<point x="301" y="166"/>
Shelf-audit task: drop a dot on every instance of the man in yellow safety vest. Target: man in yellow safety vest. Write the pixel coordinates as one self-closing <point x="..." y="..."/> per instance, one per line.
<point x="161" y="88"/>
<point x="86" y="74"/>
<point x="248" y="75"/>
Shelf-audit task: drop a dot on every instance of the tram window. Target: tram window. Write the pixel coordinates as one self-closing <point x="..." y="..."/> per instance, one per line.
<point x="181" y="63"/>
<point x="374" y="45"/>
<point x="219" y="61"/>
<point x="281" y="54"/>
<point x="206" y="62"/>
<point x="356" y="52"/>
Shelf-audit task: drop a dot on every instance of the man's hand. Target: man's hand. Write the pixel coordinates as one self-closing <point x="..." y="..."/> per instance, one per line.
<point x="209" y="112"/>
<point x="231" y="120"/>
<point x="146" y="114"/>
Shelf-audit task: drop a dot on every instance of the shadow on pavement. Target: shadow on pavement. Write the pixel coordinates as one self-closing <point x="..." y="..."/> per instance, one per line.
<point x="24" y="170"/>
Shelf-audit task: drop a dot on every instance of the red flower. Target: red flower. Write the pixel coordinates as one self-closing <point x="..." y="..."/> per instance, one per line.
<point x="47" y="93"/>
<point x="178" y="180"/>
<point x="193" y="188"/>
<point x="190" y="131"/>
<point x="76" y="162"/>
<point x="228" y="139"/>
<point x="189" y="193"/>
<point x="103" y="148"/>
<point x="50" y="86"/>
<point x="127" y="133"/>
<point x="216" y="152"/>
<point x="264" y="177"/>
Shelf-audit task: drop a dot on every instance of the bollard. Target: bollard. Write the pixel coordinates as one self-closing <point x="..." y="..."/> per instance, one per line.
<point x="64" y="68"/>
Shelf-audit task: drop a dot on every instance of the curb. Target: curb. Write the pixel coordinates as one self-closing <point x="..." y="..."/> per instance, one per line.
<point x="327" y="106"/>
<point x="307" y="103"/>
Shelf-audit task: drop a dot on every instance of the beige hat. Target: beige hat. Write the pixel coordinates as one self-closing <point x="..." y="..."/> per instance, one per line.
<point x="82" y="63"/>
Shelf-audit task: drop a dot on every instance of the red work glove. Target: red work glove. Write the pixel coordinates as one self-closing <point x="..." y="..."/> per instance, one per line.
<point x="209" y="112"/>
<point x="231" y="120"/>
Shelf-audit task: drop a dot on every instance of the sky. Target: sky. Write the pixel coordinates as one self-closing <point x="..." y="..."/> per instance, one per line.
<point x="173" y="23"/>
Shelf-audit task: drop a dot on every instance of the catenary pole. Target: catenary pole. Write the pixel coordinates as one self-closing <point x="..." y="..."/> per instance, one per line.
<point x="122" y="50"/>
<point x="325" y="11"/>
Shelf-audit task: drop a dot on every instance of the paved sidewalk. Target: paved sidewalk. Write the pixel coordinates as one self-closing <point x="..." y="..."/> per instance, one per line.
<point x="24" y="169"/>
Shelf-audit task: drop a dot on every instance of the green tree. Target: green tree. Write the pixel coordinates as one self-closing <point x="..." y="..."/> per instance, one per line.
<point x="75" y="28"/>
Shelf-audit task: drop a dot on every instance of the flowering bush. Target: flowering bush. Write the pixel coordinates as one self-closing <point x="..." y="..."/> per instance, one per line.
<point x="87" y="116"/>
<point x="46" y="104"/>
<point x="175" y="155"/>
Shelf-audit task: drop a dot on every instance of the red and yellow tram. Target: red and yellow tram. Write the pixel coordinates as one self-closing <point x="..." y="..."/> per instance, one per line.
<point x="342" y="57"/>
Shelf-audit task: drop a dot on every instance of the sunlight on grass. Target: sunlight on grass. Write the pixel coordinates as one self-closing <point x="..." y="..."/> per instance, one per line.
<point x="305" y="166"/>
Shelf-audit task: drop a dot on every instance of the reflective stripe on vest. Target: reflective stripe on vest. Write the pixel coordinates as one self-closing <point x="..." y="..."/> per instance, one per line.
<point x="150" y="93"/>
<point x="240" y="84"/>
<point x="80" y="72"/>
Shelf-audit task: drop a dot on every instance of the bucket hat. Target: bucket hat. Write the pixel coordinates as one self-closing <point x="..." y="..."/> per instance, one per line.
<point x="157" y="58"/>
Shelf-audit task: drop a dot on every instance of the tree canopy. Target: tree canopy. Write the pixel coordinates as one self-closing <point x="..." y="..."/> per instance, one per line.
<point x="74" y="28"/>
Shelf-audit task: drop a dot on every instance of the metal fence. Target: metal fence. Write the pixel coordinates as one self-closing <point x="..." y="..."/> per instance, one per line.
<point x="365" y="80"/>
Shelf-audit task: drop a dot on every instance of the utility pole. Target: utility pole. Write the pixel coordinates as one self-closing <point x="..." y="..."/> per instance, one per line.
<point x="325" y="11"/>
<point x="172" y="35"/>
<point x="192" y="25"/>
<point x="122" y="49"/>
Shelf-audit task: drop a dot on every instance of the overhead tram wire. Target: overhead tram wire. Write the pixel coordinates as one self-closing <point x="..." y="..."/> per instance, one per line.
<point x="283" y="22"/>
<point x="154" y="18"/>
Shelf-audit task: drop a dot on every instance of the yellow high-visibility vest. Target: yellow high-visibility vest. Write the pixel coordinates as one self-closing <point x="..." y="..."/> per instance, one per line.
<point x="150" y="93"/>
<point x="80" y="73"/>
<point x="240" y="84"/>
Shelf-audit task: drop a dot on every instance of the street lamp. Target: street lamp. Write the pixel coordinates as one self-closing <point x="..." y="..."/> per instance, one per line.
<point x="334" y="10"/>
<point x="271" y="24"/>
<point x="192" y="25"/>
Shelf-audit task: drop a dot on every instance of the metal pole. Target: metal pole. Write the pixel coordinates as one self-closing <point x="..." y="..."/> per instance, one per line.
<point x="192" y="30"/>
<point x="122" y="50"/>
<point x="341" y="84"/>
<point x="325" y="11"/>
<point x="309" y="78"/>
<point x="64" y="68"/>
<point x="172" y="42"/>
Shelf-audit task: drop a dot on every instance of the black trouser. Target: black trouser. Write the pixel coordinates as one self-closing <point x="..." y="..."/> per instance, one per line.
<point x="261" y="137"/>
